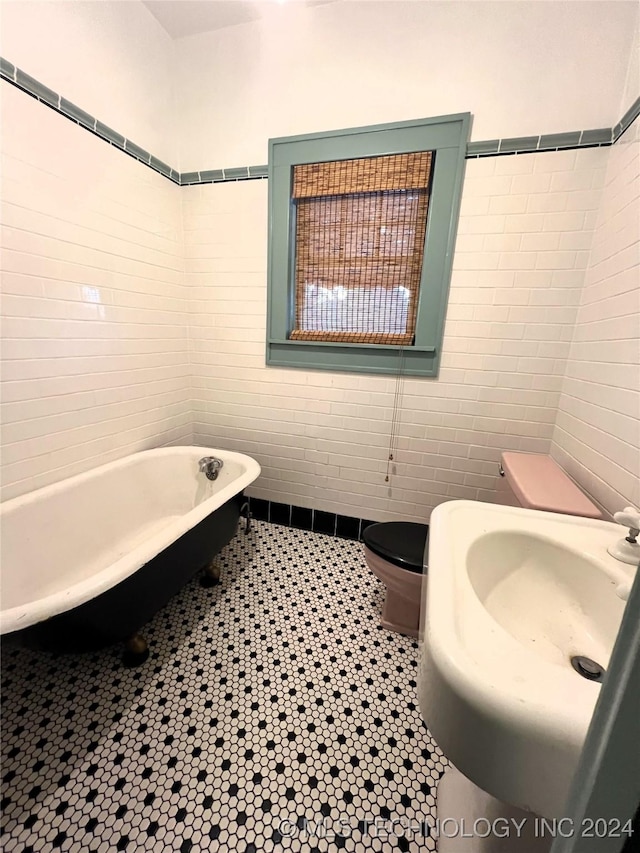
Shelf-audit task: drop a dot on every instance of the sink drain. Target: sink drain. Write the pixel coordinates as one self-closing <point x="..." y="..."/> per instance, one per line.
<point x="587" y="668"/>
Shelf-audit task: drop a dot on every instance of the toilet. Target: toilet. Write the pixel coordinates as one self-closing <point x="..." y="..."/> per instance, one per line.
<point x="395" y="551"/>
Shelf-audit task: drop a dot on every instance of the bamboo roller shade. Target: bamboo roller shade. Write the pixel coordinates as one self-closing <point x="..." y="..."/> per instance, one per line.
<point x="360" y="228"/>
<point x="368" y="174"/>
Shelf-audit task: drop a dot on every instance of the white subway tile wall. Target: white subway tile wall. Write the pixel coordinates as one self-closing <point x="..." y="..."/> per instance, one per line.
<point x="95" y="331"/>
<point x="111" y="344"/>
<point x="597" y="433"/>
<point x="322" y="438"/>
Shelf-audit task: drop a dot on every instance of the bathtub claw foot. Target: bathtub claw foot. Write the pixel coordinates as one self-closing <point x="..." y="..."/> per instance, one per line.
<point x="210" y="575"/>
<point x="136" y="651"/>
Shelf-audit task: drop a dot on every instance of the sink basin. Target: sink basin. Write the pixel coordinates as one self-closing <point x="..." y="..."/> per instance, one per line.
<point x="512" y="596"/>
<point x="556" y="602"/>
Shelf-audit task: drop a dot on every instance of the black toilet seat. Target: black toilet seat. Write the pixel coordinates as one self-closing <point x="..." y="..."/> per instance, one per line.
<point x="402" y="543"/>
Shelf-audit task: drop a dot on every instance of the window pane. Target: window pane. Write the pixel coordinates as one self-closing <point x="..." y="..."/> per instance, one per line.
<point x="339" y="309"/>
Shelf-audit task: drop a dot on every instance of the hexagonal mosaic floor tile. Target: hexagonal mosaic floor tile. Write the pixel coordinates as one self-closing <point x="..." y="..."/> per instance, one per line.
<point x="274" y="713"/>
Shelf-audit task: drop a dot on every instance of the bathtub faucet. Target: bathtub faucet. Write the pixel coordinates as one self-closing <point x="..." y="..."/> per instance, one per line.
<point x="210" y="466"/>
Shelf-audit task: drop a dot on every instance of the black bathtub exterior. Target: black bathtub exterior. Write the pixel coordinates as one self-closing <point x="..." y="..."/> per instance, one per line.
<point x="125" y="608"/>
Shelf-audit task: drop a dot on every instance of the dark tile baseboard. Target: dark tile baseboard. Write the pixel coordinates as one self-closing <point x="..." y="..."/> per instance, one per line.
<point x="303" y="518"/>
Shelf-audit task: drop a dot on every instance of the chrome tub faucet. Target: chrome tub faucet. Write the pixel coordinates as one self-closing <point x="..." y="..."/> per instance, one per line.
<point x="210" y="466"/>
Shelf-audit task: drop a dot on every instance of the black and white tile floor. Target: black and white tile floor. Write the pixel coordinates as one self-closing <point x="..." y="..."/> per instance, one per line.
<point x="272" y="698"/>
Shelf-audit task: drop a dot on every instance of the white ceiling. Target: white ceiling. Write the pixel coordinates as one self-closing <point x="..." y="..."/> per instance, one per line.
<point x="189" y="17"/>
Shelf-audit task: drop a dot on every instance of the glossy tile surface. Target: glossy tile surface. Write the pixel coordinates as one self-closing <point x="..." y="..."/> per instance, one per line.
<point x="270" y="699"/>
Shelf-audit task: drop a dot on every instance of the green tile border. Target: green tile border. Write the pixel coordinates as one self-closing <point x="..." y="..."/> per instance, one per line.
<point x="211" y="175"/>
<point x="238" y="173"/>
<point x="71" y="111"/>
<point x="7" y="69"/>
<point x="598" y="138"/>
<point x="139" y="153"/>
<point x="161" y="167"/>
<point x="35" y="88"/>
<point x="627" y="120"/>
<point x="518" y="143"/>
<point x="74" y="112"/>
<point x="483" y="148"/>
<point x="109" y="135"/>
<point x="258" y="171"/>
<point x="603" y="136"/>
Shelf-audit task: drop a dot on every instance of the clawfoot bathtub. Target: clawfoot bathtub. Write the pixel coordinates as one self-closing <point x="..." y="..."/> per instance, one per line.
<point x="87" y="561"/>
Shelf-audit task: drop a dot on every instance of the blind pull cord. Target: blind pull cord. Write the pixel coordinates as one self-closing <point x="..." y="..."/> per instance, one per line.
<point x="396" y="415"/>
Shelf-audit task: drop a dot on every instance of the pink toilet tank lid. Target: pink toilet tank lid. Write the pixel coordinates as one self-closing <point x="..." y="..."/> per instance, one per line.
<point x="540" y="483"/>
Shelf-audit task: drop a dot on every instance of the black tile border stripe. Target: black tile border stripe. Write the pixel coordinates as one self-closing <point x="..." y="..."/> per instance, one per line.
<point x="599" y="138"/>
<point x="304" y="518"/>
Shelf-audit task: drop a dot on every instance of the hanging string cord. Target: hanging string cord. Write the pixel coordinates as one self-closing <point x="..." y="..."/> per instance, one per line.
<point x="396" y="415"/>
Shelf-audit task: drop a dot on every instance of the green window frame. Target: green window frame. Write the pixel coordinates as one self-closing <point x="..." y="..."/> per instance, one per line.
<point x="447" y="137"/>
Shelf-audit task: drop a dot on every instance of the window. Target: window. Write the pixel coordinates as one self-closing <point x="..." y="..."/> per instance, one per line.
<point x="362" y="228"/>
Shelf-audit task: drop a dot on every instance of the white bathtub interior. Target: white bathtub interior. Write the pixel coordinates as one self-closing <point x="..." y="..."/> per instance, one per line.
<point x="66" y="543"/>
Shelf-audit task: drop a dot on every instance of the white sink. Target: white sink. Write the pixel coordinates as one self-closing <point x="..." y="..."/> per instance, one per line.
<point x="512" y="595"/>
